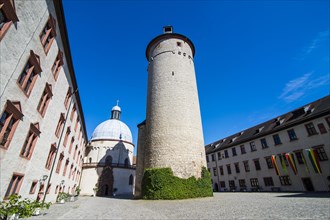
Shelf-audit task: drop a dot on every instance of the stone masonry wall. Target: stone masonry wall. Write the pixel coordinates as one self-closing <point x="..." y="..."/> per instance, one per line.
<point x="175" y="137"/>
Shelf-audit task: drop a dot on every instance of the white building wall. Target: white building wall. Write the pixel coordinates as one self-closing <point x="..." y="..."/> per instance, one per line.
<point x="96" y="158"/>
<point x="15" y="51"/>
<point x="304" y="141"/>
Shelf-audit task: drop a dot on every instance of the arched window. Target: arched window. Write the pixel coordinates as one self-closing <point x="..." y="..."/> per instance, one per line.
<point x="130" y="181"/>
<point x="126" y="162"/>
<point x="90" y="160"/>
<point x="108" y="160"/>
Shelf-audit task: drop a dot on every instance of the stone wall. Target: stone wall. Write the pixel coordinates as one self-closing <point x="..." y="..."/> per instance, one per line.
<point x="174" y="138"/>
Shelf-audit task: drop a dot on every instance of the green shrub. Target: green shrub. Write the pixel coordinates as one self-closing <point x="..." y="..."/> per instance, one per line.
<point x="78" y="191"/>
<point x="24" y="208"/>
<point x="62" y="195"/>
<point x="160" y="183"/>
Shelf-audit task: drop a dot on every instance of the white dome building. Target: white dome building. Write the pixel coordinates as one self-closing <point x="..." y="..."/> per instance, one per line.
<point x="108" y="168"/>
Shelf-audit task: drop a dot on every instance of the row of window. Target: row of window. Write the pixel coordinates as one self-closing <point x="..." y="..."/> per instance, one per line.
<point x="320" y="154"/>
<point x="311" y="130"/>
<point x="9" y="121"/>
<point x="8" y="16"/>
<point x="254" y="182"/>
<point x="17" y="180"/>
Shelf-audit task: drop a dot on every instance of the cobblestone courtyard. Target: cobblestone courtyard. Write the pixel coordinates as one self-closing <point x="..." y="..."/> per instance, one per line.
<point x="221" y="206"/>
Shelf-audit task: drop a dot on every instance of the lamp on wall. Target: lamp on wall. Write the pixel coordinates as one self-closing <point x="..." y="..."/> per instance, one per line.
<point x="43" y="179"/>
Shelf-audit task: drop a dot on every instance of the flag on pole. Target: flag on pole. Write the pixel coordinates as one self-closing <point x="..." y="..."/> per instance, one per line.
<point x="282" y="158"/>
<point x="275" y="165"/>
<point x="314" y="160"/>
<point x="290" y="159"/>
<point x="304" y="160"/>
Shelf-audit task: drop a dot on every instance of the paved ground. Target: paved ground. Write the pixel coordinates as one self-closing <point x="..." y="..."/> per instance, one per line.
<point x="222" y="206"/>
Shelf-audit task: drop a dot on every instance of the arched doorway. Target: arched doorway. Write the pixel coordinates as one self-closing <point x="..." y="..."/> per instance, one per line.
<point x="105" y="182"/>
<point x="106" y="190"/>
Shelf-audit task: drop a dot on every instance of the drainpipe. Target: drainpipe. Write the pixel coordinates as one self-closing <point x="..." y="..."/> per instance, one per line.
<point x="58" y="146"/>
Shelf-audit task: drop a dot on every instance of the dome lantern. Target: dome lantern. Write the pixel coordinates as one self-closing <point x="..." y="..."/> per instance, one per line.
<point x="115" y="112"/>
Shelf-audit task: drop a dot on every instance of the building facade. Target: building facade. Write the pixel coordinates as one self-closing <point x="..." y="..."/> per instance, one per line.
<point x="172" y="135"/>
<point x="108" y="167"/>
<point x="42" y="127"/>
<point x="287" y="153"/>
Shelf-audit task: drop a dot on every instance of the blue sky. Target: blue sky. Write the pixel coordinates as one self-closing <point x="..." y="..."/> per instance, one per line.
<point x="254" y="59"/>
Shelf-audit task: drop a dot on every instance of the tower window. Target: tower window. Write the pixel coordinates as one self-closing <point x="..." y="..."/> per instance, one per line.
<point x="168" y="29"/>
<point x="179" y="44"/>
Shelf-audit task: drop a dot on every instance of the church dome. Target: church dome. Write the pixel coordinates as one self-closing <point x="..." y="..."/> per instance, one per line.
<point x="116" y="108"/>
<point x="113" y="128"/>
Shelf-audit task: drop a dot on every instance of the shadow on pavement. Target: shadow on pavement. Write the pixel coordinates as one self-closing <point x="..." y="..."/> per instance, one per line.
<point x="308" y="195"/>
<point x="124" y="197"/>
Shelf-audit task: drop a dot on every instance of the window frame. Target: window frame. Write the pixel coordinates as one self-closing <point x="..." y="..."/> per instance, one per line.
<point x="45" y="99"/>
<point x="57" y="65"/>
<point x="59" y="163"/>
<point x="60" y="125"/>
<point x="33" y="187"/>
<point x="310" y="128"/>
<point x="13" y="111"/>
<point x="9" y="12"/>
<point x="321" y="153"/>
<point x="243" y="150"/>
<point x="67" y="162"/>
<point x="322" y="128"/>
<point x="263" y="143"/>
<point x="14" y="185"/>
<point x="277" y="139"/>
<point x="253" y="146"/>
<point x="285" y="180"/>
<point x="233" y="150"/>
<point x="48" y="34"/>
<point x="215" y="171"/>
<point x="228" y="169"/>
<point x="237" y="169"/>
<point x="254" y="182"/>
<point x="226" y="153"/>
<point x="257" y="164"/>
<point x="246" y="166"/>
<point x="269" y="162"/>
<point x="300" y="159"/>
<point x="67" y="134"/>
<point x="30" y="141"/>
<point x="51" y="156"/>
<point x="221" y="170"/>
<point x="33" y="69"/>
<point x="242" y="183"/>
<point x="268" y="181"/>
<point x="292" y="135"/>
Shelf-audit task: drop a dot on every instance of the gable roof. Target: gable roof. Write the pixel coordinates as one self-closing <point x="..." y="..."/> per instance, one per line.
<point x="304" y="113"/>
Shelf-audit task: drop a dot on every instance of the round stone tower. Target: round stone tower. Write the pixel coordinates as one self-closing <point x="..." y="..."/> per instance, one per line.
<point x="174" y="136"/>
